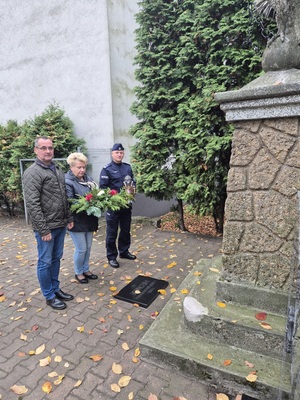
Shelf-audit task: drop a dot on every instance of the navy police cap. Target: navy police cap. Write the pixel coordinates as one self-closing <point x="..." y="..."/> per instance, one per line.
<point x="117" y="146"/>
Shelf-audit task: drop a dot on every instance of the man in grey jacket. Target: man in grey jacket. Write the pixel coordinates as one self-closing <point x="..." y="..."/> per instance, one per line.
<point x="48" y="208"/>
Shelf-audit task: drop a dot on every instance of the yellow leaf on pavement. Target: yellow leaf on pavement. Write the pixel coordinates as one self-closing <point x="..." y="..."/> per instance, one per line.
<point x="52" y="374"/>
<point x="162" y="291"/>
<point x="96" y="357"/>
<point x="40" y="349"/>
<point x="115" y="388"/>
<point x="45" y="361"/>
<point x="130" y="396"/>
<point x="47" y="387"/>
<point x="113" y="288"/>
<point x="19" y="389"/>
<point x="209" y="356"/>
<point x="78" y="383"/>
<point x="172" y="264"/>
<point x="184" y="291"/>
<point x="23" y="337"/>
<point x="125" y="346"/>
<point x="221" y="304"/>
<point x="222" y="396"/>
<point x="137" y="352"/>
<point x="117" y="368"/>
<point x="124" y="381"/>
<point x="58" y="359"/>
<point x="80" y="329"/>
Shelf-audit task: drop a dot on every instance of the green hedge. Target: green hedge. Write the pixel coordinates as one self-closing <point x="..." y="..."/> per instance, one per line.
<point x="16" y="143"/>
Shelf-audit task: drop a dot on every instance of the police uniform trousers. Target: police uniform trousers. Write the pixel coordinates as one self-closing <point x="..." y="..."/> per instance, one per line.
<point x="117" y="221"/>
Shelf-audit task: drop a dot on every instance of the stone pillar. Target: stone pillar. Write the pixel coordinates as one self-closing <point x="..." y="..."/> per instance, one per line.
<point x="260" y="243"/>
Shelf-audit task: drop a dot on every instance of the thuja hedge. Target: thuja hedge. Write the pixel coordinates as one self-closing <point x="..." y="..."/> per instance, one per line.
<point x="16" y="143"/>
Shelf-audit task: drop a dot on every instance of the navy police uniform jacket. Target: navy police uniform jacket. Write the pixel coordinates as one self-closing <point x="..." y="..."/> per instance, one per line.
<point x="113" y="175"/>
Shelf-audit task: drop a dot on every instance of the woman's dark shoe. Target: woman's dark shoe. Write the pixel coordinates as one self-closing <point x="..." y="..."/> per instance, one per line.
<point x="90" y="275"/>
<point x="83" y="280"/>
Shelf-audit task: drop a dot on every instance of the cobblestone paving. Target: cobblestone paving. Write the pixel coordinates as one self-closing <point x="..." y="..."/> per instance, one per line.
<point x="94" y="323"/>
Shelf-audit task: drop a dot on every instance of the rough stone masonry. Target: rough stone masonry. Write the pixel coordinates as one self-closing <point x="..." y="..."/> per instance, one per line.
<point x="262" y="208"/>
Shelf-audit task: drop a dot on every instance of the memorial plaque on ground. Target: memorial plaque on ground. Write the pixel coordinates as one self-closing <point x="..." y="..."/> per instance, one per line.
<point x="142" y="290"/>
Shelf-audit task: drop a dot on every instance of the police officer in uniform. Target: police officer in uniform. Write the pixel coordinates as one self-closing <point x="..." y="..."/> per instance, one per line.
<point x="113" y="176"/>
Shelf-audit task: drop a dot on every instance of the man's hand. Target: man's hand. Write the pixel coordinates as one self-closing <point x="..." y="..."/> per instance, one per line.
<point x="70" y="225"/>
<point x="47" y="238"/>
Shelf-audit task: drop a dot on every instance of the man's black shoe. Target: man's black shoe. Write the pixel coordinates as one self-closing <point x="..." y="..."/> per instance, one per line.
<point x="128" y="255"/>
<point x="56" y="304"/>
<point x="113" y="263"/>
<point x="63" y="296"/>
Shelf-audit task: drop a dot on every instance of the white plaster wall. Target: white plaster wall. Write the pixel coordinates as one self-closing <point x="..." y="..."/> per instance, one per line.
<point x="58" y="51"/>
<point x="122" y="25"/>
<point x="79" y="54"/>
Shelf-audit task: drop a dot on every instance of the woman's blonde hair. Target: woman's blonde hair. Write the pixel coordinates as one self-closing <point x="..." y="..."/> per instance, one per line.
<point x="73" y="157"/>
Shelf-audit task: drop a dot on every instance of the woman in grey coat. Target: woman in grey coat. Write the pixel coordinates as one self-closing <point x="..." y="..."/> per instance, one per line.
<point x="78" y="183"/>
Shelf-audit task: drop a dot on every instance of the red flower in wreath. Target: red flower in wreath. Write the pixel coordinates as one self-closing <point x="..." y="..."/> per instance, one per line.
<point x="89" y="197"/>
<point x="113" y="192"/>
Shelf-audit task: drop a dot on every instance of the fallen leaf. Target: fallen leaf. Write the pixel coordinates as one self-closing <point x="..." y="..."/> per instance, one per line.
<point x="113" y="288"/>
<point x="40" y="349"/>
<point x="47" y="387"/>
<point x="137" y="352"/>
<point x="101" y="319"/>
<point x="141" y="327"/>
<point x="209" y="356"/>
<point x="197" y="273"/>
<point x="239" y="397"/>
<point x="124" y="381"/>
<point x="115" y="388"/>
<point x="77" y="384"/>
<point x="226" y="362"/>
<point x="152" y="397"/>
<point x="214" y="270"/>
<point x="120" y="331"/>
<point x="221" y="396"/>
<point x="162" y="291"/>
<point x="80" y="329"/>
<point x="266" y="326"/>
<point x="249" y="364"/>
<point x="22" y="309"/>
<point x="19" y="389"/>
<point x="125" y="346"/>
<point x="45" y="361"/>
<point x="251" y="378"/>
<point x="117" y="368"/>
<point x="261" y="316"/>
<point x="23" y="337"/>
<point x="172" y="264"/>
<point x="96" y="357"/>
<point x="221" y="304"/>
<point x="135" y="360"/>
<point x="184" y="291"/>
<point x="79" y="300"/>
<point x="130" y="396"/>
<point x="52" y="374"/>
<point x="58" y="359"/>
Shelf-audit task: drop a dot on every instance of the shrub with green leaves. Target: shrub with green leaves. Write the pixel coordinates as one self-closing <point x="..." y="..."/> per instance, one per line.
<point x="17" y="142"/>
<point x="187" y="51"/>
